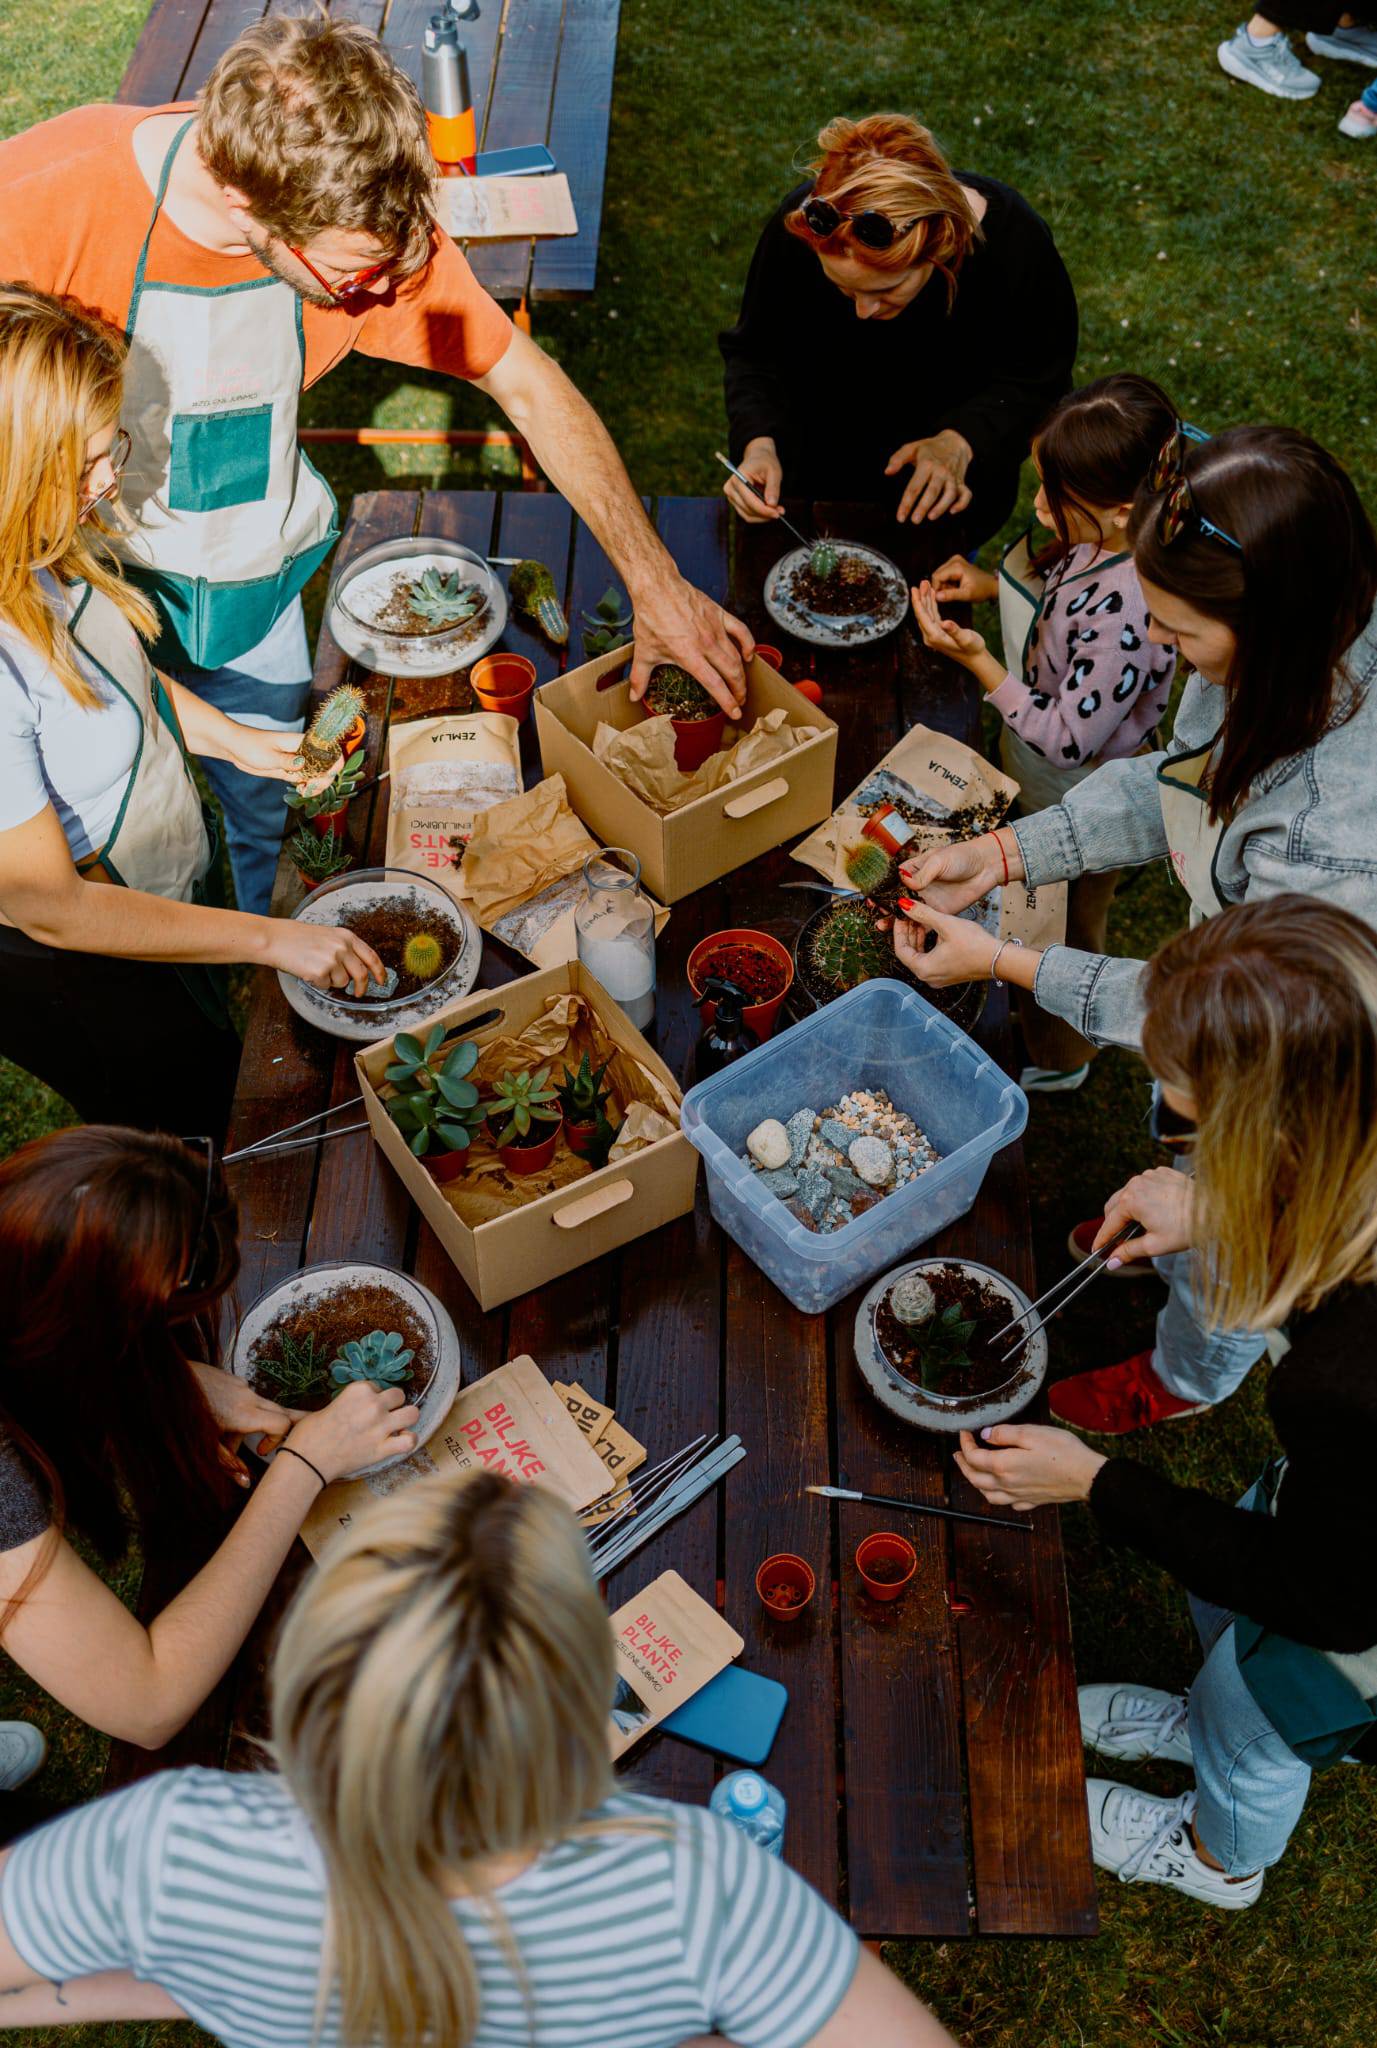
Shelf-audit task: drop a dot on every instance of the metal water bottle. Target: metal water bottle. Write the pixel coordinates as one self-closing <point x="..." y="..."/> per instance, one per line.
<point x="445" y="90"/>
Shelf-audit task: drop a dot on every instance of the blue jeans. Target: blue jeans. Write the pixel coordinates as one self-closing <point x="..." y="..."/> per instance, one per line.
<point x="1197" y="1363"/>
<point x="1369" y="97"/>
<point x="1250" y="1785"/>
<point x="266" y="687"/>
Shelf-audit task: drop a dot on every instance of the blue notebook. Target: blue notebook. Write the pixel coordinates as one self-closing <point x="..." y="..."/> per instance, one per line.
<point x="737" y="1715"/>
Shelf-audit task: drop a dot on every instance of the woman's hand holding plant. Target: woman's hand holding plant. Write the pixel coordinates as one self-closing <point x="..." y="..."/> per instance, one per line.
<point x="963" y="950"/>
<point x="951" y="878"/>
<point x="365" y="1423"/>
<point x="961" y="582"/>
<point x="938" y="484"/>
<point x="1163" y="1201"/>
<point x="1024" y="1465"/>
<point x="240" y="1412"/>
<point x="761" y="465"/>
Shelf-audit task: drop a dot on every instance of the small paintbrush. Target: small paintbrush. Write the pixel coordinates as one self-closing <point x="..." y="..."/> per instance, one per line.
<point x="919" y="1507"/>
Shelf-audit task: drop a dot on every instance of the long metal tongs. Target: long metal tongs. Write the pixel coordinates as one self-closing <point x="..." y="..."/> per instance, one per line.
<point x="1091" y="1268"/>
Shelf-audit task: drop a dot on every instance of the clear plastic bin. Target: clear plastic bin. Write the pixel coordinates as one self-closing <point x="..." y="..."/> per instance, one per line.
<point x="880" y="1035"/>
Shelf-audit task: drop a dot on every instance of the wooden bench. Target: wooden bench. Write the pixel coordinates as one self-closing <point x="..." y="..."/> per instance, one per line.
<point x="930" y="1757"/>
<point x="540" y="70"/>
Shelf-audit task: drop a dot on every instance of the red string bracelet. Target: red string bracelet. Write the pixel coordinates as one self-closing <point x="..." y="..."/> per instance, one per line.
<point x="1002" y="854"/>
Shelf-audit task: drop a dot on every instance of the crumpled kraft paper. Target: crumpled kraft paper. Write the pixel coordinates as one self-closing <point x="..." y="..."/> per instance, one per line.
<point x="642" y="757"/>
<point x="568" y="1028"/>
<point x="523" y="873"/>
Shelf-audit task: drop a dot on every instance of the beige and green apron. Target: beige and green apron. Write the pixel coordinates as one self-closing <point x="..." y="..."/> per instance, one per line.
<point x="1192" y="839"/>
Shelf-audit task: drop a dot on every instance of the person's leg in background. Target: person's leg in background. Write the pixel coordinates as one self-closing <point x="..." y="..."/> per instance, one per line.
<point x="1058" y="1057"/>
<point x="1361" y="119"/>
<point x="1259" y="52"/>
<point x="267" y="687"/>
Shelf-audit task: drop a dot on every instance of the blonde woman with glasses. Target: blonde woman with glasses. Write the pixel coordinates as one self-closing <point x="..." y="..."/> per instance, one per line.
<point x="1261" y="1026"/>
<point x="443" y="1856"/>
<point x="109" y="935"/>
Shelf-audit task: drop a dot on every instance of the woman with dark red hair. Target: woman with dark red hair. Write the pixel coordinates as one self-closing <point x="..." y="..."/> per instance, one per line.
<point x="903" y="330"/>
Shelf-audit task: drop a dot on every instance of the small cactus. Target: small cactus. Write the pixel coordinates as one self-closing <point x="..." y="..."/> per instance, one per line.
<point x="823" y="560"/>
<point x="868" y="867"/>
<point x="673" y="693"/>
<point x="381" y="1358"/>
<point x="422" y="955"/>
<point x="323" y="741"/>
<point x="846" y="949"/>
<point x="532" y="590"/>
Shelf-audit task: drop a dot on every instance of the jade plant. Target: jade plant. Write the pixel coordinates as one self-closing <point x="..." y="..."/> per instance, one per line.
<point x="335" y="794"/>
<point x="607" y="625"/>
<point x="673" y="693"/>
<point x="442" y="600"/>
<point x="581" y="1094"/>
<point x="518" y="1102"/>
<point x="532" y="591"/>
<point x="317" y="856"/>
<point x="433" y="1105"/>
<point x="868" y="867"/>
<point x="422" y="956"/>
<point x="381" y="1358"/>
<point x="323" y="741"/>
<point x="846" y="949"/>
<point x="297" y="1371"/>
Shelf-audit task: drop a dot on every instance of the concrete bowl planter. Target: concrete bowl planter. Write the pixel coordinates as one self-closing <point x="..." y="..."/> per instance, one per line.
<point x="949" y="1413"/>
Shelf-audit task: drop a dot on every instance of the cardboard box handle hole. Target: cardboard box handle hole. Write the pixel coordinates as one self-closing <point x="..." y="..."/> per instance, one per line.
<point x="574" y="1214"/>
<point x="756" y="799"/>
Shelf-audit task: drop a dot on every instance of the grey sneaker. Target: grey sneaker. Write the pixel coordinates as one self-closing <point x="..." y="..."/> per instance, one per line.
<point x="22" y="1750"/>
<point x="1349" y="45"/>
<point x="1133" y="1722"/>
<point x="1148" y="1841"/>
<point x="1053" y="1080"/>
<point x="1272" y="67"/>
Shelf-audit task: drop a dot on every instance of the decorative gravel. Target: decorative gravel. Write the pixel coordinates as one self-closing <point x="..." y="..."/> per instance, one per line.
<point x="819" y="1185"/>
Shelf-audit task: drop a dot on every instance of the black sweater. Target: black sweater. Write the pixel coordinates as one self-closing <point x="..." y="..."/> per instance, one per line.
<point x="1302" y="1572"/>
<point x="838" y="395"/>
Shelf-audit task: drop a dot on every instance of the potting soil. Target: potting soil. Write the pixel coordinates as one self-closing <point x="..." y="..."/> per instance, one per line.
<point x="854" y="587"/>
<point x="758" y="975"/>
<point x="985" y="1367"/>
<point x="347" y="1312"/>
<point x="387" y="925"/>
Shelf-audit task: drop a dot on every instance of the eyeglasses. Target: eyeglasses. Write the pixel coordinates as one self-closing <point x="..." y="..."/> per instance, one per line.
<point x="1179" y="509"/>
<point x="186" y="1285"/>
<point x="871" y="230"/>
<point x="117" y="455"/>
<point x="1167" y="1125"/>
<point x="344" y="288"/>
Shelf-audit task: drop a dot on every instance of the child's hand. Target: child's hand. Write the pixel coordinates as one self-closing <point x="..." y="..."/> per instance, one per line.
<point x="961" y="582"/>
<point x="943" y="636"/>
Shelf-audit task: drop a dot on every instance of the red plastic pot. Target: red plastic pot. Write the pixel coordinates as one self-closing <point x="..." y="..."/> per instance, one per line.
<point x="759" y="1017"/>
<point x="885" y="1549"/>
<point x="810" y="689"/>
<point x="332" y="821"/>
<point x="771" y="656"/>
<point x="445" y="1166"/>
<point x="528" y="1158"/>
<point x="580" y="1136"/>
<point x="695" y="739"/>
<point x="785" y="1584"/>
<point x="504" y="682"/>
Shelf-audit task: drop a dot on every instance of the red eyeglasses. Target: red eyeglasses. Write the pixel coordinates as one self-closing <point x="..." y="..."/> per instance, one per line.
<point x="347" y="287"/>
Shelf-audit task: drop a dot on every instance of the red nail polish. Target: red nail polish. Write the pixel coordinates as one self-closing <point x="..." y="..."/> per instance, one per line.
<point x="907" y="903"/>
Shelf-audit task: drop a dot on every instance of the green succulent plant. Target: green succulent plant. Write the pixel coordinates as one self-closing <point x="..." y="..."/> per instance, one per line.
<point x="433" y="1105"/>
<point x="581" y="1094"/>
<point x="944" y="1347"/>
<point x="522" y="1099"/>
<point x="868" y="867"/>
<point x="443" y="600"/>
<point x="532" y="591"/>
<point x="325" y="736"/>
<point x="381" y="1358"/>
<point x="846" y="949"/>
<point x="298" y="1369"/>
<point x="318" y="855"/>
<point x="607" y="625"/>
<point x="823" y="560"/>
<point x="344" y="786"/>
<point x="673" y="693"/>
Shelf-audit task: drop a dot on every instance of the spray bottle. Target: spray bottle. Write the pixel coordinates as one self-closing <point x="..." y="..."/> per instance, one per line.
<point x="445" y="91"/>
<point x="728" y="1037"/>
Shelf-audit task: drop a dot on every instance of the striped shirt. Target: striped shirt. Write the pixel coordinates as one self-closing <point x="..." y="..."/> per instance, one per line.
<point x="211" y="1885"/>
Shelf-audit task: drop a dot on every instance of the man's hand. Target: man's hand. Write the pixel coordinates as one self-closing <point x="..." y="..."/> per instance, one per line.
<point x="1163" y="1201"/>
<point x="938" y="484"/>
<point x="1024" y="1465"/>
<point x="761" y="464"/>
<point x="675" y="622"/>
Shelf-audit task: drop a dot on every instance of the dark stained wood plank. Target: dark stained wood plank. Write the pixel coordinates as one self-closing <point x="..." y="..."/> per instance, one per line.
<point x="567" y="265"/>
<point x="519" y="112"/>
<point x="226" y="20"/>
<point x="154" y="72"/>
<point x="539" y="526"/>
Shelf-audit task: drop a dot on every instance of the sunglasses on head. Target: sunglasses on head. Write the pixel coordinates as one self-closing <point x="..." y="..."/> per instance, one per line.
<point x="117" y="456"/>
<point x="871" y="230"/>
<point x="1178" y="1133"/>
<point x="1179" y="509"/>
<point x="195" y="1278"/>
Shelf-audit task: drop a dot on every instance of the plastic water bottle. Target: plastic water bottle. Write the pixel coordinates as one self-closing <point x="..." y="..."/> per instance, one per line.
<point x="753" y="1806"/>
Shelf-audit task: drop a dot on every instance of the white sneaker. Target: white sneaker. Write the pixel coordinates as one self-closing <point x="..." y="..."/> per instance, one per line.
<point x="1052" y="1080"/>
<point x="1272" y="66"/>
<point x="1358" y="123"/>
<point x="1148" y="1841"/>
<point x="22" y="1750"/>
<point x="1132" y="1723"/>
<point x="1349" y="45"/>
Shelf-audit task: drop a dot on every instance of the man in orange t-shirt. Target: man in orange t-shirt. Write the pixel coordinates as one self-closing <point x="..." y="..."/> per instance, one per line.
<point x="246" y="244"/>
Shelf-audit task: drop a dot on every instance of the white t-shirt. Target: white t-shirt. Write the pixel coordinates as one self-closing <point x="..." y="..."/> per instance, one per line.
<point x="53" y="750"/>
<point x="210" y="1884"/>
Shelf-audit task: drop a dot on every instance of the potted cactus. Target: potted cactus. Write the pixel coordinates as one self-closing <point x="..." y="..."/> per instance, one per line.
<point x="382" y="1358"/>
<point x="698" y="719"/>
<point x="583" y="1100"/>
<point x="328" y="809"/>
<point x="842" y="949"/>
<point x="317" y="856"/>
<point x="331" y="732"/>
<point x="436" y="1108"/>
<point x="532" y="592"/>
<point x="524" y="1119"/>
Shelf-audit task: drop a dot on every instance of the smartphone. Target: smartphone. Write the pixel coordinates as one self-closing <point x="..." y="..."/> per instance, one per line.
<point x="525" y="162"/>
<point x="737" y="1715"/>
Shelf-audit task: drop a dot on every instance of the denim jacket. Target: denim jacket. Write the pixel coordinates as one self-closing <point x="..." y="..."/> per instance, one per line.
<point x="1308" y="824"/>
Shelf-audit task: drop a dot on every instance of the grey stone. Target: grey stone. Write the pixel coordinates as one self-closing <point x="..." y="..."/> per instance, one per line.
<point x="386" y="985"/>
<point x="800" y="1129"/>
<point x="814" y="1193"/>
<point x="847" y="1185"/>
<point x="873" y="1160"/>
<point x="835" y="1133"/>
<point x="780" y="1181"/>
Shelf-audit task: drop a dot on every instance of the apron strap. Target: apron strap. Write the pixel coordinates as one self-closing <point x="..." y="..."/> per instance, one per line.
<point x="158" y="198"/>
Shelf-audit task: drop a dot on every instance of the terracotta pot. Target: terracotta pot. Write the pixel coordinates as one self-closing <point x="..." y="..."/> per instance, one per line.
<point x="788" y="1575"/>
<point x="528" y="1158"/>
<point x="503" y="682"/>
<point x="445" y="1166"/>
<point x="580" y="1136"/>
<point x="760" y="1018"/>
<point x="886" y="1549"/>
<point x="332" y="821"/>
<point x="355" y="737"/>
<point x="771" y="656"/>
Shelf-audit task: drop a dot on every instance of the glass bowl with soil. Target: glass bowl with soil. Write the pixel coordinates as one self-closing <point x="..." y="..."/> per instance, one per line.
<point x="927" y="1345"/>
<point x="419" y="607"/>
<point x="839" y="594"/>
<point x="757" y="963"/>
<point x="290" y="1338"/>
<point x="426" y="939"/>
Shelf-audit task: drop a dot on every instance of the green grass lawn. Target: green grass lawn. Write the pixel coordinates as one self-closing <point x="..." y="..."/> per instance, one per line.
<point x="1221" y="242"/>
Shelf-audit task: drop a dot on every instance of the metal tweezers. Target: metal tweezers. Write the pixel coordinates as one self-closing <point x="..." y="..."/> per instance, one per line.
<point x="1091" y="1268"/>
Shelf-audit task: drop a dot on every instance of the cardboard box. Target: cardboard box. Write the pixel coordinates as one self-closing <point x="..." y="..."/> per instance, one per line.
<point x="558" y="1232"/>
<point x="710" y="837"/>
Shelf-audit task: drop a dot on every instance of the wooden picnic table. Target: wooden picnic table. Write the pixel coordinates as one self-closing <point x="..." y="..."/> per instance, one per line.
<point x="540" y="71"/>
<point x="930" y="1754"/>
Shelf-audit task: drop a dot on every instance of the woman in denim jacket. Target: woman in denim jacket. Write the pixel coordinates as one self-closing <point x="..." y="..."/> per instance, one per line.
<point x="1260" y="565"/>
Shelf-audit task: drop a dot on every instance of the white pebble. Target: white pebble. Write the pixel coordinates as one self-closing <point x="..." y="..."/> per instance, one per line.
<point x="872" y="1160"/>
<point x="769" y="1145"/>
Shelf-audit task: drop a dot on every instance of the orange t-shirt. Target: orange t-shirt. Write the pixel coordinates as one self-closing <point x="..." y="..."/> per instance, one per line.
<point x="74" y="209"/>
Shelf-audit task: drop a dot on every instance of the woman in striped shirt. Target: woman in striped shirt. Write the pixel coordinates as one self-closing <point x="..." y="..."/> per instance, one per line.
<point x="440" y="1701"/>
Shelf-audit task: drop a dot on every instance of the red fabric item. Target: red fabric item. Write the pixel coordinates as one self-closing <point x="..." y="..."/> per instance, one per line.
<point x="1117" y="1398"/>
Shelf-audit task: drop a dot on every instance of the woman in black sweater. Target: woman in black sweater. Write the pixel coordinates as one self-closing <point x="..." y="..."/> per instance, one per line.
<point x="1261" y="1028"/>
<point x="903" y="330"/>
